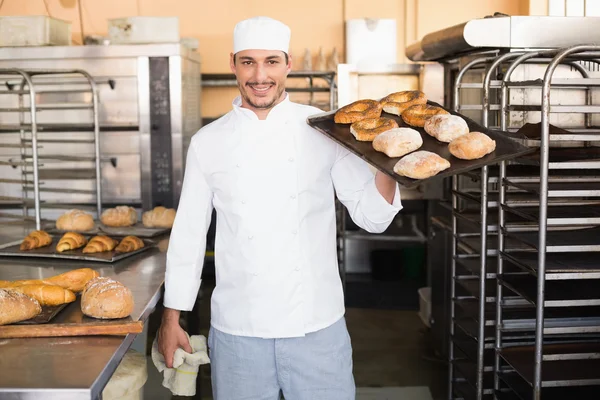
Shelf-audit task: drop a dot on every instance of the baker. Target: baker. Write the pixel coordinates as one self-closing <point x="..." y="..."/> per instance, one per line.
<point x="277" y="311"/>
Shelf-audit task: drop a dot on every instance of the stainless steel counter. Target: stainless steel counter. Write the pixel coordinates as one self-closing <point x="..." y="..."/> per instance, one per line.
<point x="70" y="368"/>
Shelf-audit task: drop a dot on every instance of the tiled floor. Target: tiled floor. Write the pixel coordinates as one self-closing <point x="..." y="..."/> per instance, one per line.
<point x="390" y="350"/>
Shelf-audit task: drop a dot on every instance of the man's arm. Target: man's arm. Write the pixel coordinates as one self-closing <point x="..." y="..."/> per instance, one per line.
<point x="386" y="186"/>
<point x="372" y="201"/>
<point x="185" y="256"/>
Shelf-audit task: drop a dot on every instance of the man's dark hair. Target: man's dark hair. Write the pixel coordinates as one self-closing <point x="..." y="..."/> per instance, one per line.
<point x="287" y="58"/>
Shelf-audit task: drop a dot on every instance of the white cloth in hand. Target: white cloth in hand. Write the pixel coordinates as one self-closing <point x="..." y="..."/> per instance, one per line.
<point x="181" y="379"/>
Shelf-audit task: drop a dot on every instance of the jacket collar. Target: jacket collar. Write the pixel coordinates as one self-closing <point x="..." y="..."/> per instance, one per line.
<point x="279" y="113"/>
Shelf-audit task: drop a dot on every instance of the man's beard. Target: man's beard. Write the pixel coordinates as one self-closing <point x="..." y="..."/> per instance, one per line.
<point x="266" y="106"/>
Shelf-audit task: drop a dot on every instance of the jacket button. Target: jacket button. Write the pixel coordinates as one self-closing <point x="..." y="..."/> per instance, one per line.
<point x="250" y="237"/>
<point x="291" y="159"/>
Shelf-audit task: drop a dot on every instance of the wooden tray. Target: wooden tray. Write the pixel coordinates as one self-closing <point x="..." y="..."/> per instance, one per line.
<point x="47" y="314"/>
<point x="506" y="148"/>
<point x="12" y="250"/>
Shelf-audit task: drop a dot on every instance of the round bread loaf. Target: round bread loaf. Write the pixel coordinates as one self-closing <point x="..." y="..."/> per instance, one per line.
<point x="119" y="216"/>
<point x="472" y="146"/>
<point x="421" y="165"/>
<point x="446" y="127"/>
<point x="106" y="298"/>
<point x="159" y="217"/>
<point x="398" y="142"/>
<point x="75" y="220"/>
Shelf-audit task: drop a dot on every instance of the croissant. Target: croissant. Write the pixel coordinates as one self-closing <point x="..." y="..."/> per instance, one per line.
<point x="98" y="244"/>
<point x="35" y="240"/>
<point x="129" y="243"/>
<point x="71" y="241"/>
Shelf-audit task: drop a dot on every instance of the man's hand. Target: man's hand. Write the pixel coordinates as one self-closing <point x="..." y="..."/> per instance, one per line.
<point x="171" y="336"/>
<point x="386" y="186"/>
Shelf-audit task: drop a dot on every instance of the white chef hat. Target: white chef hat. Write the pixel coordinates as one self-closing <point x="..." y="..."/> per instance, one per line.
<point x="261" y="33"/>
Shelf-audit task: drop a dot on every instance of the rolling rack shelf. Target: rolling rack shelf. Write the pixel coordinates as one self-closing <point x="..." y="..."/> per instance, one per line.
<point x="524" y="290"/>
<point x="34" y="172"/>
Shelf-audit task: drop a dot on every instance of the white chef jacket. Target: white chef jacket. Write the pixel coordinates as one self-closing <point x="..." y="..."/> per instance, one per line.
<point x="272" y="183"/>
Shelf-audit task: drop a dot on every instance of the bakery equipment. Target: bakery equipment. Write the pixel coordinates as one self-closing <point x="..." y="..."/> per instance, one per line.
<point x="507" y="222"/>
<point x="149" y="98"/>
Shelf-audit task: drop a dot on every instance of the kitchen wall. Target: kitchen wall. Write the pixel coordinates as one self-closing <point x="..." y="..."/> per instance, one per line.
<point x="314" y="23"/>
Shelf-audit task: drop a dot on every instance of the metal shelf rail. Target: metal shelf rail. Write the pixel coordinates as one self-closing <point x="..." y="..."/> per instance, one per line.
<point x="558" y="259"/>
<point x="29" y="95"/>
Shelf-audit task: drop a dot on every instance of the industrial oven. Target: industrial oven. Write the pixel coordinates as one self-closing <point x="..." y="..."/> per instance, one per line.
<point x="148" y="109"/>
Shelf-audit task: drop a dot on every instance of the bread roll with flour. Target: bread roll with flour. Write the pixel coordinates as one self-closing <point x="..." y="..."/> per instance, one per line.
<point x="472" y="146"/>
<point x="106" y="298"/>
<point x="398" y="142"/>
<point x="75" y="220"/>
<point x="119" y="216"/>
<point x="16" y="307"/>
<point x="421" y="165"/>
<point x="446" y="127"/>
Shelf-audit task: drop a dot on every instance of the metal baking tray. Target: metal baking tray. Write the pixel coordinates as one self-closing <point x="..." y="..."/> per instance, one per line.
<point x="574" y="240"/>
<point x="506" y="148"/>
<point x="559" y="265"/>
<point x="560" y="370"/>
<point x="138" y="230"/>
<point x="12" y="250"/>
<point x="565" y="293"/>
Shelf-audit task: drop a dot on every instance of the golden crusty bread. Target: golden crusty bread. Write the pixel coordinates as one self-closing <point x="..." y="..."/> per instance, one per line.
<point x="472" y="146"/>
<point x="119" y="216"/>
<point x="106" y="298"/>
<point x="129" y="244"/>
<point x="421" y="165"/>
<point x="74" y="280"/>
<point x="159" y="217"/>
<point x="71" y="241"/>
<point x="99" y="244"/>
<point x="36" y="239"/>
<point x="16" y="307"/>
<point x="46" y="295"/>
<point x="75" y="220"/>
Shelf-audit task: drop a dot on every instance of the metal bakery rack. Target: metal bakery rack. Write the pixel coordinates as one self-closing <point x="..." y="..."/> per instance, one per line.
<point x="523" y="291"/>
<point x="41" y="111"/>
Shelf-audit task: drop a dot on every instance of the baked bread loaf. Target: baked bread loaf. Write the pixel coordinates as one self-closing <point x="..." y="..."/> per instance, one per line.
<point x="446" y="127"/>
<point x="159" y="217"/>
<point x="418" y="114"/>
<point x="396" y="103"/>
<point x="367" y="129"/>
<point x="16" y="307"/>
<point x="46" y="295"/>
<point x="74" y="280"/>
<point x="106" y="298"/>
<point x="421" y="165"/>
<point x="398" y="142"/>
<point x="36" y="239"/>
<point x="119" y="216"/>
<point x="75" y="220"/>
<point x="71" y="241"/>
<point x="357" y="111"/>
<point x="129" y="243"/>
<point x="472" y="146"/>
<point x="99" y="244"/>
